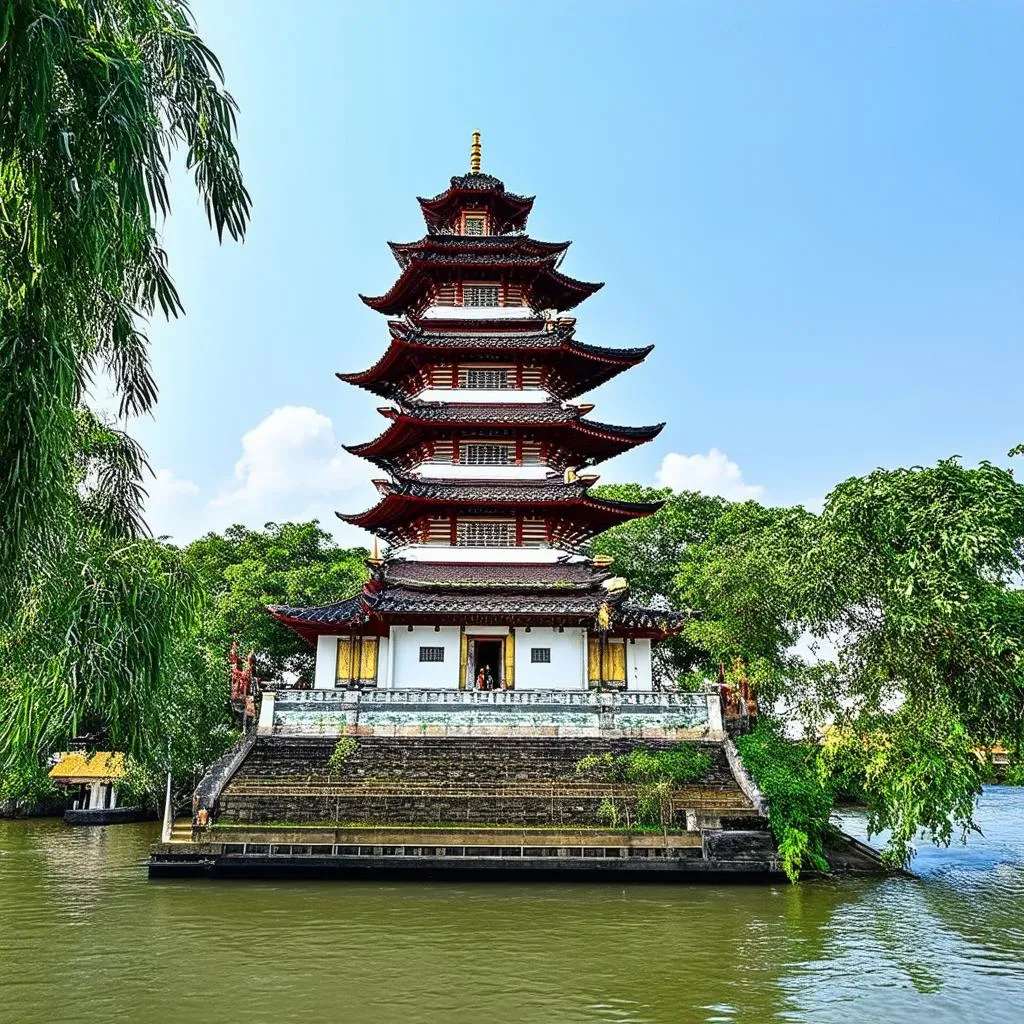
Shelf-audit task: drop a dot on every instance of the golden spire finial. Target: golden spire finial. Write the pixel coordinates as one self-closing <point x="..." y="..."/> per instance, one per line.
<point x="376" y="556"/>
<point x="474" y="154"/>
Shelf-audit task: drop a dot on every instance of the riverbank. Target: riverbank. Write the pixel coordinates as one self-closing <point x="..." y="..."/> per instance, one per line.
<point x="87" y="938"/>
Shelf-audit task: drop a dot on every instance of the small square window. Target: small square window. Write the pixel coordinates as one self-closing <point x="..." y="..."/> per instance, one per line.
<point x="485" y="534"/>
<point x="431" y="654"/>
<point x="484" y="378"/>
<point x="540" y="655"/>
<point x="473" y="225"/>
<point x="487" y="454"/>
<point x="480" y="295"/>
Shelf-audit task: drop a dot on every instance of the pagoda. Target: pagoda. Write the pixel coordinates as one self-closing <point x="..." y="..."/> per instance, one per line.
<point x="486" y="502"/>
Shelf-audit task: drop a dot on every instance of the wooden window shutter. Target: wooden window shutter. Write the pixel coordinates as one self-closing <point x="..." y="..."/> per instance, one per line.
<point x="608" y="666"/>
<point x="463" y="660"/>
<point x="343" y="674"/>
<point x="594" y="660"/>
<point x="510" y="661"/>
<point x="615" y="663"/>
<point x="368" y="668"/>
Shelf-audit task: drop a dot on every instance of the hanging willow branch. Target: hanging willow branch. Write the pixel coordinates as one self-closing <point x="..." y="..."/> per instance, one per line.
<point x="95" y="96"/>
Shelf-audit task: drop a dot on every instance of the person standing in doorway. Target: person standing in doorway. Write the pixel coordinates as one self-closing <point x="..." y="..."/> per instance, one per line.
<point x="481" y="679"/>
<point x="490" y="677"/>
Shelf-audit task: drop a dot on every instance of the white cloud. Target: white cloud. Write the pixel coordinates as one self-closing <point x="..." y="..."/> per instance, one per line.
<point x="293" y="452"/>
<point x="714" y="473"/>
<point x="291" y="468"/>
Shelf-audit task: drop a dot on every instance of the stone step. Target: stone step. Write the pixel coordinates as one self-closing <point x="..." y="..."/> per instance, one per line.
<point x="733" y="806"/>
<point x="452" y="758"/>
<point x="426" y="835"/>
<point x="529" y="781"/>
<point x="548" y="811"/>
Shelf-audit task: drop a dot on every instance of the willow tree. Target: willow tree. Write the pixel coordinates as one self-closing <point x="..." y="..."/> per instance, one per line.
<point x="95" y="98"/>
<point x="107" y="640"/>
<point x="96" y="622"/>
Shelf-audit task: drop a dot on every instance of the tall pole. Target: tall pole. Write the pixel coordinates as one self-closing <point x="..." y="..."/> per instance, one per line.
<point x="165" y="834"/>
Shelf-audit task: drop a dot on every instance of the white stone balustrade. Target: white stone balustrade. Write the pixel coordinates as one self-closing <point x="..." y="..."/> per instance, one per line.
<point x="502" y="712"/>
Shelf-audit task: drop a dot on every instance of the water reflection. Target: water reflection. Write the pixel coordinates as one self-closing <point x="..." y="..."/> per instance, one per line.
<point x="85" y="937"/>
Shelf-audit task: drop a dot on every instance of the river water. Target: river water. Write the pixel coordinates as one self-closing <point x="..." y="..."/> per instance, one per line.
<point x="84" y="936"/>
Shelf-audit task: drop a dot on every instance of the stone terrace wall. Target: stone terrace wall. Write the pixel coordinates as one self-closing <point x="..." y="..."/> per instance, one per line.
<point x="449" y="759"/>
<point x="430" y="780"/>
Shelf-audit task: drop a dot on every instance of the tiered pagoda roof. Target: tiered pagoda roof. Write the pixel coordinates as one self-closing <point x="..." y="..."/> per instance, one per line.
<point x="407" y="500"/>
<point x="454" y="248"/>
<point x="508" y="211"/>
<point x="569" y="367"/>
<point x="564" y="593"/>
<point x="416" y="287"/>
<point x="572" y="439"/>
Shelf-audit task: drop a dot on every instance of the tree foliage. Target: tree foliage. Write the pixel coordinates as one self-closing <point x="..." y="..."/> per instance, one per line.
<point x="799" y="795"/>
<point x="106" y="645"/>
<point x="98" y="627"/>
<point x="907" y="583"/>
<point x="647" y="552"/>
<point x="244" y="570"/>
<point x="95" y="95"/>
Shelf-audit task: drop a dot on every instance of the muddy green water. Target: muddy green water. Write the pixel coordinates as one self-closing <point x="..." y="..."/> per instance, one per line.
<point x="85" y="937"/>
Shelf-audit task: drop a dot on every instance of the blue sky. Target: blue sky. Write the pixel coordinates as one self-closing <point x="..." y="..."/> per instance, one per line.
<point x="812" y="209"/>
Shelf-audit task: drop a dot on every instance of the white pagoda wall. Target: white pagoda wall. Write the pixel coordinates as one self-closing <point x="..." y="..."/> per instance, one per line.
<point x="568" y="659"/>
<point x="567" y="669"/>
<point x="412" y="673"/>
<point x="638" y="665"/>
<point x="326" y="662"/>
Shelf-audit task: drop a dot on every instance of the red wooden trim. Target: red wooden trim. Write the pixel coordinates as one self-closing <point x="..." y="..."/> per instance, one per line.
<point x="453" y="534"/>
<point x="519" y="531"/>
<point x="519" y="451"/>
<point x="519" y="376"/>
<point x="456" y="450"/>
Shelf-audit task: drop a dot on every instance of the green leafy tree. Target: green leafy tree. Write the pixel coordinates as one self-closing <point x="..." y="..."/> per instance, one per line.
<point x="911" y="574"/>
<point x="106" y="639"/>
<point x="106" y="645"/>
<point x="908" y="581"/>
<point x="95" y="95"/>
<point x="288" y="563"/>
<point x="742" y="578"/>
<point x="647" y="553"/>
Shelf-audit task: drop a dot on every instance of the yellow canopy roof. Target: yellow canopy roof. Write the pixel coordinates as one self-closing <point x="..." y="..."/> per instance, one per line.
<point x="102" y="765"/>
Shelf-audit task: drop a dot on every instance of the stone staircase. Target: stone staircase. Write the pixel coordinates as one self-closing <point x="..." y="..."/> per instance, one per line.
<point x="414" y="781"/>
<point x="181" y="830"/>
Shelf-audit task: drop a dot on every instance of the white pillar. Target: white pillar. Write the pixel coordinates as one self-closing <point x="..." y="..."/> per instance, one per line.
<point x="390" y="681"/>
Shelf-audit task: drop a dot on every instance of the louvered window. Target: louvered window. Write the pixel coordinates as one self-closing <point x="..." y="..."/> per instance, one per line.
<point x="485" y="534"/>
<point x="487" y="454"/>
<point x="483" y="378"/>
<point x="431" y="654"/>
<point x="540" y="655"/>
<point x="473" y="226"/>
<point x="480" y="295"/>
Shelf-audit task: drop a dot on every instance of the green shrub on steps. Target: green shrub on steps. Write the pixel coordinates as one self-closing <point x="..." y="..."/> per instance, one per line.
<point x="799" y="801"/>
<point x="343" y="750"/>
<point x="653" y="772"/>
